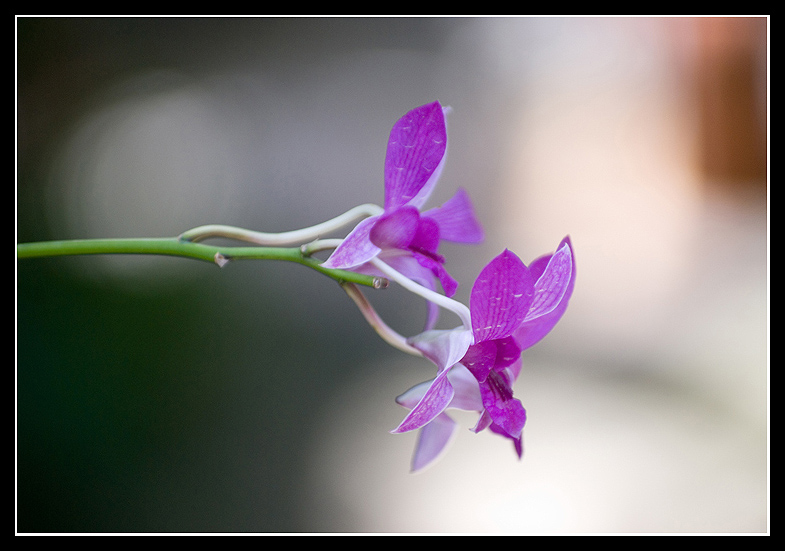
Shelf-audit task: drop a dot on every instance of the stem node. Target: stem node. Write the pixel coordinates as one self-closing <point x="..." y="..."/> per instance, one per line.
<point x="221" y="260"/>
<point x="380" y="283"/>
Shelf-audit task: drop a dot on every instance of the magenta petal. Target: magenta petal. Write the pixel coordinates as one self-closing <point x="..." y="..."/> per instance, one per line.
<point x="480" y="359"/>
<point x="432" y="441"/>
<point x="483" y="422"/>
<point x="456" y="219"/>
<point x="433" y="402"/>
<point x="533" y="330"/>
<point x="507" y="412"/>
<point x="514" y="369"/>
<point x="537" y="266"/>
<point x="467" y="390"/>
<point x="411" y="397"/>
<point x="426" y="238"/>
<point x="447" y="281"/>
<point x="508" y="351"/>
<point x="356" y="248"/>
<point x="551" y="286"/>
<point x="500" y="297"/>
<point x="415" y="152"/>
<point x="395" y="230"/>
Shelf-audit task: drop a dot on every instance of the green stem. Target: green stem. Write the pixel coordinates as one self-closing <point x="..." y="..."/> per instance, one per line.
<point x="219" y="255"/>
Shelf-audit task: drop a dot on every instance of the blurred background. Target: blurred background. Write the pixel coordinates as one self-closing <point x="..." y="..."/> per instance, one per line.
<point x="162" y="394"/>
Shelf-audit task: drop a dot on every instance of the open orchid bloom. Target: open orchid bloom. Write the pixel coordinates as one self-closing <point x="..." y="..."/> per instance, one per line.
<point x="404" y="236"/>
<point x="512" y="307"/>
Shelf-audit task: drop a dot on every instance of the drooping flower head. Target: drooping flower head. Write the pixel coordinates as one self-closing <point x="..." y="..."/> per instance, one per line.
<point x="407" y="238"/>
<point x="512" y="307"/>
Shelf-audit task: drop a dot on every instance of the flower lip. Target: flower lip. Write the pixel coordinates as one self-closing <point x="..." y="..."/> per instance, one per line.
<point x="396" y="229"/>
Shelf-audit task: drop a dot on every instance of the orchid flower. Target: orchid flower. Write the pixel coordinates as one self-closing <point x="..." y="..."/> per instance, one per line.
<point x="512" y="307"/>
<point x="406" y="238"/>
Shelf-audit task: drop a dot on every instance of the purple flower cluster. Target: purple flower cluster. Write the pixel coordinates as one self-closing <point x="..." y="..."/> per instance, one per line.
<point x="512" y="306"/>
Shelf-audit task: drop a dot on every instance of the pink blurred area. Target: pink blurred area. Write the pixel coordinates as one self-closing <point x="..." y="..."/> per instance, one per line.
<point x="646" y="141"/>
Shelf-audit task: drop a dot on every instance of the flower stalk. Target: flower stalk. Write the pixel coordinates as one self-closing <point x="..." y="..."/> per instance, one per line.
<point x="173" y="246"/>
<point x="389" y="335"/>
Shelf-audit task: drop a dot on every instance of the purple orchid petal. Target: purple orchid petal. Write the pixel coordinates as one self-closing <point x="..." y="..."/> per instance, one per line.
<point x="483" y="422"/>
<point x="432" y="441"/>
<point x="434" y="401"/>
<point x="448" y="283"/>
<point x="415" y="156"/>
<point x="456" y="219"/>
<point x="436" y="434"/>
<point x="426" y="238"/>
<point x="537" y="266"/>
<point x="514" y="369"/>
<point x="507" y="352"/>
<point x="445" y="348"/>
<point x="467" y="392"/>
<point x="356" y="248"/>
<point x="480" y="359"/>
<point x="500" y="297"/>
<point x="551" y="286"/>
<point x="533" y="330"/>
<point x="396" y="229"/>
<point x="510" y="374"/>
<point x="507" y="412"/>
<point x="411" y="397"/>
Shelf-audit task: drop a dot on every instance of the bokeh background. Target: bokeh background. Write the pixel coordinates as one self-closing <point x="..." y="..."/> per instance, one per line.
<point x="160" y="394"/>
